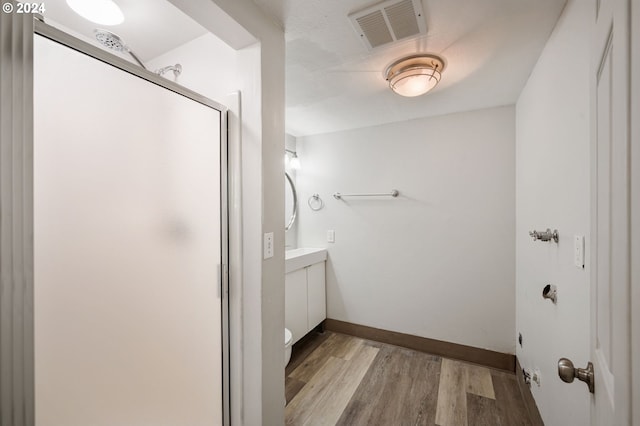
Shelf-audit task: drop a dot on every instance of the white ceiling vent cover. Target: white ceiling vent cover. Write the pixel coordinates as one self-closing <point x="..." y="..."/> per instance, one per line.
<point x="389" y="21"/>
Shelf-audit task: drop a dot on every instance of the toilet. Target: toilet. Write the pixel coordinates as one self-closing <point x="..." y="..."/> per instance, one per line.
<point x="288" y="338"/>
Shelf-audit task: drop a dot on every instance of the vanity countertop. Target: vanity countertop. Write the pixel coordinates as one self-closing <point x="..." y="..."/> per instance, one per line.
<point x="302" y="257"/>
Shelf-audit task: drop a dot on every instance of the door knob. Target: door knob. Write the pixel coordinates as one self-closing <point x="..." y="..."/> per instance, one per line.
<point x="567" y="373"/>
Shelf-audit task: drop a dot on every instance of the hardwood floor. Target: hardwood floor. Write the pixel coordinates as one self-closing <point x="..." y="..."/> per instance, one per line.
<point x="335" y="379"/>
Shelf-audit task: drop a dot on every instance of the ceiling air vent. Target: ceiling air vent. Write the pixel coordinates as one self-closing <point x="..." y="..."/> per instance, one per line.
<point x="389" y="21"/>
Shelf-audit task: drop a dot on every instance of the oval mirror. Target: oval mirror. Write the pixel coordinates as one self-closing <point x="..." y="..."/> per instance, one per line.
<point x="290" y="202"/>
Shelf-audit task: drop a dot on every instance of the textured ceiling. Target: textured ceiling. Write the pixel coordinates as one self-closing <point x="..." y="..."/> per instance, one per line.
<point x="333" y="83"/>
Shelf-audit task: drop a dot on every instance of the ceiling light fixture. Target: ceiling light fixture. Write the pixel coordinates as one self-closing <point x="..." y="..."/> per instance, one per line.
<point x="291" y="159"/>
<point x="104" y="12"/>
<point x="414" y="75"/>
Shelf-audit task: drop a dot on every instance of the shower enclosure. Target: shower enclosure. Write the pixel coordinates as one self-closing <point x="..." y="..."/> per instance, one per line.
<point x="130" y="243"/>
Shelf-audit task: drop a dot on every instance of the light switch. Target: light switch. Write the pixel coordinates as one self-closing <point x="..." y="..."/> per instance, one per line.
<point x="578" y="251"/>
<point x="268" y="245"/>
<point x="331" y="236"/>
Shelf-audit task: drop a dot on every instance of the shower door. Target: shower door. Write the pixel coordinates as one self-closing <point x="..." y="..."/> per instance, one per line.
<point x="129" y="237"/>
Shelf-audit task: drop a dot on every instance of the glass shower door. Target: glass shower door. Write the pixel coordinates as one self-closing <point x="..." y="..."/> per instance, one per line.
<point x="128" y="327"/>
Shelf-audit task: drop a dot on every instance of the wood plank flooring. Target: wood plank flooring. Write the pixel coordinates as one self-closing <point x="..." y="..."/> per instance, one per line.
<point x="335" y="379"/>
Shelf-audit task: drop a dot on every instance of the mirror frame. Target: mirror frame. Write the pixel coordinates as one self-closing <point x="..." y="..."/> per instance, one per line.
<point x="292" y="219"/>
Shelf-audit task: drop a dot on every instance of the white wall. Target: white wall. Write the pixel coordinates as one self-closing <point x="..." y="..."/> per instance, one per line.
<point x="436" y="262"/>
<point x="209" y="66"/>
<point x="552" y="187"/>
<point x="260" y="46"/>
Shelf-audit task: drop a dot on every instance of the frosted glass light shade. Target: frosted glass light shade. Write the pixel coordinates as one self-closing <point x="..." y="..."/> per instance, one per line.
<point x="291" y="160"/>
<point x="104" y="12"/>
<point x="414" y="75"/>
<point x="414" y="82"/>
<point x="295" y="163"/>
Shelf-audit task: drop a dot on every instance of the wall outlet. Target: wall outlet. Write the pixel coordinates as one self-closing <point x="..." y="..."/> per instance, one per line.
<point x="331" y="236"/>
<point x="268" y="245"/>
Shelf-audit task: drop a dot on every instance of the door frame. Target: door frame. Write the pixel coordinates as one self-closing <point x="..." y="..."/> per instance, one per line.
<point x="16" y="192"/>
<point x="16" y="220"/>
<point x="634" y="50"/>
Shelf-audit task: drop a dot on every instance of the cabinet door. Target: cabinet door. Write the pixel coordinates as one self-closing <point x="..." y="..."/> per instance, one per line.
<point x="295" y="303"/>
<point x="316" y="295"/>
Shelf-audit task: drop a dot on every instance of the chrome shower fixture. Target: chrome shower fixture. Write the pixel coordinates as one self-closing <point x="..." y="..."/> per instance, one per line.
<point x="114" y="42"/>
<point x="177" y="70"/>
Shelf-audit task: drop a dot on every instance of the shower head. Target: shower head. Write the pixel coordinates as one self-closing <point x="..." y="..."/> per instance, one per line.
<point x="110" y="40"/>
<point x="114" y="42"/>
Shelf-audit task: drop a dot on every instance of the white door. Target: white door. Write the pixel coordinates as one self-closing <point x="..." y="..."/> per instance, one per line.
<point x="610" y="280"/>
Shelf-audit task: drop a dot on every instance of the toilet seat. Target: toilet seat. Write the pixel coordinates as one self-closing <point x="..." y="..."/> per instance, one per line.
<point x="288" y="340"/>
<point x="288" y="337"/>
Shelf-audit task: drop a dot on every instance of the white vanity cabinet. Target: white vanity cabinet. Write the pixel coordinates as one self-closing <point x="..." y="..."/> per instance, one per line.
<point x="295" y="303"/>
<point x="305" y="294"/>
